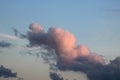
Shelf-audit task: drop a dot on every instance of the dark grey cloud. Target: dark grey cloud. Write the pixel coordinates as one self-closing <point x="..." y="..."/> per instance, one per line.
<point x="55" y="76"/>
<point x="110" y="71"/>
<point x="94" y="71"/>
<point x="5" y="44"/>
<point x="6" y="73"/>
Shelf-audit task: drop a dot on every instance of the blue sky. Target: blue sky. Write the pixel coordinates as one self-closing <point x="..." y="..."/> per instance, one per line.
<point x="95" y="23"/>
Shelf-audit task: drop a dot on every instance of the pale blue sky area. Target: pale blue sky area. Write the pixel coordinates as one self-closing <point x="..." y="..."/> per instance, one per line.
<point x="95" y="23"/>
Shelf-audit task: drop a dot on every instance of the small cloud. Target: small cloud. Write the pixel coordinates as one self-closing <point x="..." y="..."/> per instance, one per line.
<point x="5" y="44"/>
<point x="55" y="76"/>
<point x="5" y="72"/>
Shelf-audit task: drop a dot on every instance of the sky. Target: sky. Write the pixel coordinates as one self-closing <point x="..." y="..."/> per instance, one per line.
<point x="95" y="23"/>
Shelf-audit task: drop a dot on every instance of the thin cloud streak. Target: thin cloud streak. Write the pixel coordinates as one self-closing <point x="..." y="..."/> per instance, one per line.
<point x="9" y="36"/>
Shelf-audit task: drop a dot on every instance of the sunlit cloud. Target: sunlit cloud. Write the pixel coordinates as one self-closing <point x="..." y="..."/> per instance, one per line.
<point x="9" y="36"/>
<point x="61" y="44"/>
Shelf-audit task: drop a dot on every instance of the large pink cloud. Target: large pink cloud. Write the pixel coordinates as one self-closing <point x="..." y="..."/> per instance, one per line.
<point x="63" y="42"/>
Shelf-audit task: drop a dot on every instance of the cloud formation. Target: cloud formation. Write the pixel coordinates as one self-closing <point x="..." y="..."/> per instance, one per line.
<point x="63" y="42"/>
<point x="69" y="56"/>
<point x="5" y="44"/>
<point x="5" y="72"/>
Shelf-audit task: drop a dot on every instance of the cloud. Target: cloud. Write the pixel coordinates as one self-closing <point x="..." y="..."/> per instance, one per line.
<point x="61" y="46"/>
<point x="62" y="41"/>
<point x="110" y="71"/>
<point x="5" y="44"/>
<point x="5" y="72"/>
<point x="36" y="27"/>
<point x="18" y="34"/>
<point x="55" y="76"/>
<point x="94" y="71"/>
<point x="8" y="36"/>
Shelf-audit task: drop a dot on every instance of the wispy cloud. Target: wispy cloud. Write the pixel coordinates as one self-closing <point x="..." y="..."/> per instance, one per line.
<point x="8" y="36"/>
